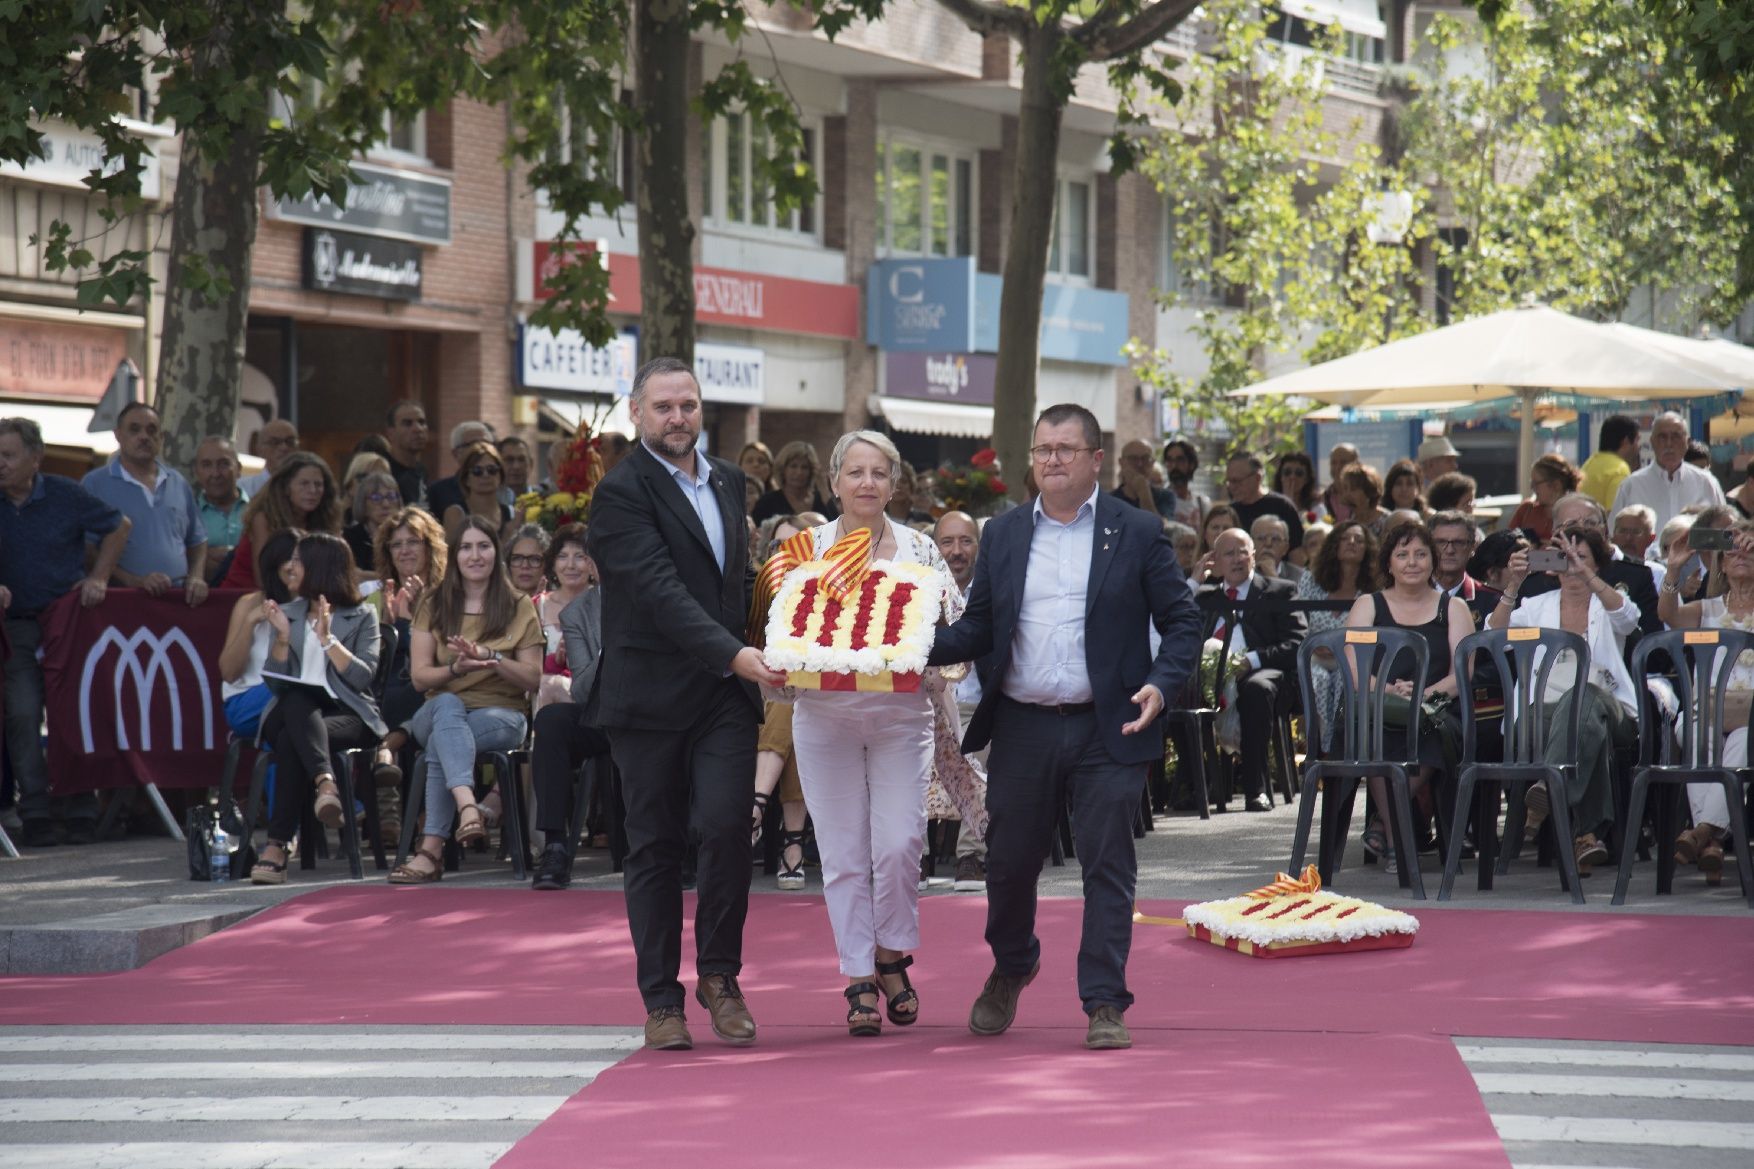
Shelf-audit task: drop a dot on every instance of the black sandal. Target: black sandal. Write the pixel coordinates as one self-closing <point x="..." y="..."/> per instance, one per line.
<point x="863" y="1021"/>
<point x="907" y="993"/>
<point x="267" y="872"/>
<point x="791" y="876"/>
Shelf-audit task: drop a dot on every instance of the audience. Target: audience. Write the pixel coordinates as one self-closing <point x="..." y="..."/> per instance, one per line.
<point x="46" y="522"/>
<point x="409" y="552"/>
<point x="479" y="474"/>
<point x="476" y="650"/>
<point x="301" y="494"/>
<point x="308" y="723"/>
<point x="1551" y="477"/>
<point x="1635" y="530"/>
<point x="272" y="443"/>
<point x="1360" y="488"/>
<point x="1340" y="456"/>
<point x="1242" y="482"/>
<point x="1438" y="457"/>
<point x="220" y="501"/>
<point x="526" y="560"/>
<point x="1452" y="492"/>
<point x="1180" y="461"/>
<point x="167" y="545"/>
<point x="1220" y="518"/>
<point x="243" y="690"/>
<point x="756" y="462"/>
<point x="1273" y="548"/>
<point x="1669" y="485"/>
<point x="796" y="469"/>
<point x="374" y="500"/>
<point x="444" y="494"/>
<point x="1136" y="487"/>
<point x="1294" y="478"/>
<point x="1313" y="537"/>
<point x="515" y="458"/>
<point x="1616" y="455"/>
<point x="1343" y="569"/>
<point x="406" y="434"/>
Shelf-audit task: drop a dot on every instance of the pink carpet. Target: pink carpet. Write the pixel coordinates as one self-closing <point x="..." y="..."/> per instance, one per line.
<point x="372" y="954"/>
<point x="1036" y="1100"/>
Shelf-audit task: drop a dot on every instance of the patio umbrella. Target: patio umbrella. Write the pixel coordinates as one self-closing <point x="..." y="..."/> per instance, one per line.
<point x="1519" y="354"/>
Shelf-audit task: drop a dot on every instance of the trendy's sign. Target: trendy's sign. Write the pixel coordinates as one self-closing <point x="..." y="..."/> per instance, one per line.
<point x="966" y="378"/>
<point x="132" y="691"/>
<point x="924" y="306"/>
<point x="749" y="300"/>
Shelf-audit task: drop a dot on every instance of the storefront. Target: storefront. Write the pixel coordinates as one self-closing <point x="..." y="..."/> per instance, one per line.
<point x="770" y="351"/>
<point x="936" y="325"/>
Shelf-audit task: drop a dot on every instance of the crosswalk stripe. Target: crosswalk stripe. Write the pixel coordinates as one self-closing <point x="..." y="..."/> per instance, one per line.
<point x="258" y="1155"/>
<point x="329" y="1041"/>
<point x="1668" y="1134"/>
<point x="1607" y="1057"/>
<point x="1647" y="1087"/>
<point x="218" y="1109"/>
<point x="297" y="1069"/>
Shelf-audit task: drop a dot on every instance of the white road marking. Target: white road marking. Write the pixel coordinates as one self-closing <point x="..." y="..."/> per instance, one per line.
<point x="258" y="1155"/>
<point x="298" y="1069"/>
<point x="210" y="1109"/>
<point x="1593" y="1130"/>
<point x="1648" y="1087"/>
<point x="317" y="1040"/>
<point x="1600" y="1057"/>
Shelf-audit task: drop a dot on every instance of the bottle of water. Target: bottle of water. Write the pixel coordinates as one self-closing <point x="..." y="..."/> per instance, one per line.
<point x="220" y="859"/>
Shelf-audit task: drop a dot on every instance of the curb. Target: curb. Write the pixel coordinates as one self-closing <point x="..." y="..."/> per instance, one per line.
<point x="107" y="943"/>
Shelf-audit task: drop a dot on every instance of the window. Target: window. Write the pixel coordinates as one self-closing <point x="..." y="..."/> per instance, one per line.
<point x="403" y="137"/>
<point x="580" y="145"/>
<point x="1069" y="252"/>
<point x="734" y="190"/>
<point x="925" y="200"/>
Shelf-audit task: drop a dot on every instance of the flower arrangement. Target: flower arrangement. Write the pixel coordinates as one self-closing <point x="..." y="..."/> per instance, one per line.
<point x="884" y="626"/>
<point x="1295" y="916"/>
<point x="974" y="487"/>
<point x="553" y="511"/>
<point x="577" y="468"/>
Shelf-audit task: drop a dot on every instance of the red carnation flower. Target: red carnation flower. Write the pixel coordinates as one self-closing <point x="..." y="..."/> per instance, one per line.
<point x="998" y="485"/>
<point x="985" y="457"/>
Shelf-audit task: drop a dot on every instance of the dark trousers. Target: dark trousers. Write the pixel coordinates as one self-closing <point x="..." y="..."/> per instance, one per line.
<point x="1262" y="696"/>
<point x="700" y="779"/>
<point x="1036" y="757"/>
<point x="563" y="741"/>
<point x="24" y="729"/>
<point x="306" y="727"/>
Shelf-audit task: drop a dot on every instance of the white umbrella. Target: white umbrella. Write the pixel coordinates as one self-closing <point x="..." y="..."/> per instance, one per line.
<point x="1519" y="353"/>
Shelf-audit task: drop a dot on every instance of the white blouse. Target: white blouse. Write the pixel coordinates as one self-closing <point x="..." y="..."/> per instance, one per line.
<point x="1606" y="631"/>
<point x="911" y="547"/>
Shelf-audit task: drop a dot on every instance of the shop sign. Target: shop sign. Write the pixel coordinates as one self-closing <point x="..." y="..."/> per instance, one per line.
<point x="966" y="378"/>
<point x="730" y="373"/>
<point x="392" y="204"/>
<point x="748" y="300"/>
<point x="357" y="265"/>
<point x="921" y="305"/>
<point x="58" y="362"/>
<point x="562" y="359"/>
<point x="70" y="154"/>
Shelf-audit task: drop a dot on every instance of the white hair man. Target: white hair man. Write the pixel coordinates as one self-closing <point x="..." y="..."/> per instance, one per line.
<point x="1670" y="484"/>
<point x="1273" y="549"/>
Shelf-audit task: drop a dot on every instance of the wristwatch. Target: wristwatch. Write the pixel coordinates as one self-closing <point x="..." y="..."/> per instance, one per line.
<point x="330" y="643"/>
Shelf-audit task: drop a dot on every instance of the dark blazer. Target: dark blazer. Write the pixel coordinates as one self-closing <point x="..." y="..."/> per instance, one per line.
<point x="1272" y="631"/>
<point x="581" y="624"/>
<point x="1134" y="580"/>
<point x="672" y="620"/>
<point x="1630" y="577"/>
<point x="355" y="627"/>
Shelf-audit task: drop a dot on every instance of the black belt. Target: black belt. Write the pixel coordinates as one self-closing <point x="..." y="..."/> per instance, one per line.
<point x="1062" y="710"/>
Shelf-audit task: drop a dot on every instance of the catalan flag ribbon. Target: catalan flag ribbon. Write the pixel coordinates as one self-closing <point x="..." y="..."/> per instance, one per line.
<point x="1309" y="882"/>
<point x="845" y="562"/>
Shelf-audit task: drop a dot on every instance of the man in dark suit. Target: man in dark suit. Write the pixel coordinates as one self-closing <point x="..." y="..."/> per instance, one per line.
<point x="676" y="692"/>
<point x="1062" y="595"/>
<point x="1266" y="635"/>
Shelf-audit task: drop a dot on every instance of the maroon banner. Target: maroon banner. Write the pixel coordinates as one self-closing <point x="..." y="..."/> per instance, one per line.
<point x="133" y="690"/>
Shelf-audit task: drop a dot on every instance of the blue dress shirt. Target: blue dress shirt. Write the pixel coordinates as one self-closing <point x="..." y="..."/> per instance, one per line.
<point x="697" y="489"/>
<point x="167" y="522"/>
<point x="1048" y="666"/>
<point x="42" y="541"/>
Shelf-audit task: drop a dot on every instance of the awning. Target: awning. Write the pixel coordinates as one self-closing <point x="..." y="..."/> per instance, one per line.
<point x="62" y="426"/>
<point x="1359" y="16"/>
<point x="920" y="417"/>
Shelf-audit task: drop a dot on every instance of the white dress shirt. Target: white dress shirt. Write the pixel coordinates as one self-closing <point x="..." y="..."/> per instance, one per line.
<point x="968" y="691"/>
<point x="1668" y="494"/>
<point x="1607" y="630"/>
<point x="1048" y="667"/>
<point x="697" y="489"/>
<point x="1239" y="642"/>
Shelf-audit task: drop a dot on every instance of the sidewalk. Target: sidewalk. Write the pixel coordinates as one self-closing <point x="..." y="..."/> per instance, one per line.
<point x="115" y="906"/>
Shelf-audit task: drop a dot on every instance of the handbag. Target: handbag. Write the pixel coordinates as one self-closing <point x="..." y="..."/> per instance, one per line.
<point x="199" y="824"/>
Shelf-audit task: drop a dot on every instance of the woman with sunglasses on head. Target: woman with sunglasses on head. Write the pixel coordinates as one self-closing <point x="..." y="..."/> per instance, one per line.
<point x="480" y="471"/>
<point x="306" y="723"/>
<point x="476" y="650"/>
<point x="301" y="494"/>
<point x="375" y="498"/>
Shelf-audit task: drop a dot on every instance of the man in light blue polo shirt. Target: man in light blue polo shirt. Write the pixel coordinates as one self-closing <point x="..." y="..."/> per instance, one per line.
<point x="168" y="544"/>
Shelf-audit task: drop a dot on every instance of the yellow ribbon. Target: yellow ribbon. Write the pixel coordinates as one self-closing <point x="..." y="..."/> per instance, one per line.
<point x="846" y="563"/>
<point x="1309" y="882"/>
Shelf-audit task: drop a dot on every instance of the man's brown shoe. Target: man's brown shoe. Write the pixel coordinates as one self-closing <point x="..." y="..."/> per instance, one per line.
<point x="1108" y="1030"/>
<point x="719" y="994"/>
<point x="667" y="1030"/>
<point x="997" y="1004"/>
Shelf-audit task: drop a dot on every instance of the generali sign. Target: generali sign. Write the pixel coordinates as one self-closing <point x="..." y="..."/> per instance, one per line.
<point x="748" y="300"/>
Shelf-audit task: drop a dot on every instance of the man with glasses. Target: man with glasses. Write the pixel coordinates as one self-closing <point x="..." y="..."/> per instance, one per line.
<point x="1456" y="538"/>
<point x="1136" y="487"/>
<point x="1272" y="547"/>
<point x="1180" y="461"/>
<point x="273" y="442"/>
<point x="1670" y="485"/>
<point x="1632" y="578"/>
<point x="515" y="457"/>
<point x="1243" y="477"/>
<point x="1063" y="592"/>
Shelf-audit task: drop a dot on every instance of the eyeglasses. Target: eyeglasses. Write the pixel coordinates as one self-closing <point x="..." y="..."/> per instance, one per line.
<point x="483" y="470"/>
<point x="1057" y="454"/>
<point x="406" y="545"/>
<point x="384" y="497"/>
<point x="524" y="561"/>
<point x="1454" y="545"/>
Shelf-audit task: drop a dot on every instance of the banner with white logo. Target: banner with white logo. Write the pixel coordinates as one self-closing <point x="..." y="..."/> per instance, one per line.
<point x="133" y="690"/>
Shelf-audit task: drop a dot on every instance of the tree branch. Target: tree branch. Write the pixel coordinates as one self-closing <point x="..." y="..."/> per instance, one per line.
<point x="1099" y="23"/>
<point x="986" y="18"/>
<point x="1140" y="31"/>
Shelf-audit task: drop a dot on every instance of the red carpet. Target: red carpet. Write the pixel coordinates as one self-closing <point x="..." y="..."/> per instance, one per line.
<point x="1230" y="1051"/>
<point x="1034" y="1100"/>
<point x="372" y="954"/>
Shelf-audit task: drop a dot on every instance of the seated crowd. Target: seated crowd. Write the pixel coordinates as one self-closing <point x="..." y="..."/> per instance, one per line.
<point x="423" y="620"/>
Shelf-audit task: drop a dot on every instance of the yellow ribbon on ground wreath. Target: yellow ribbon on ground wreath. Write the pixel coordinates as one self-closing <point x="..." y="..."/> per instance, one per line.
<point x="1309" y="882"/>
<point x="846" y="561"/>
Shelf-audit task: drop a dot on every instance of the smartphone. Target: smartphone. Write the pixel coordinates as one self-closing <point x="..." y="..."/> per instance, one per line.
<point x="1695" y="567"/>
<point x="1710" y="539"/>
<point x="1547" y="560"/>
